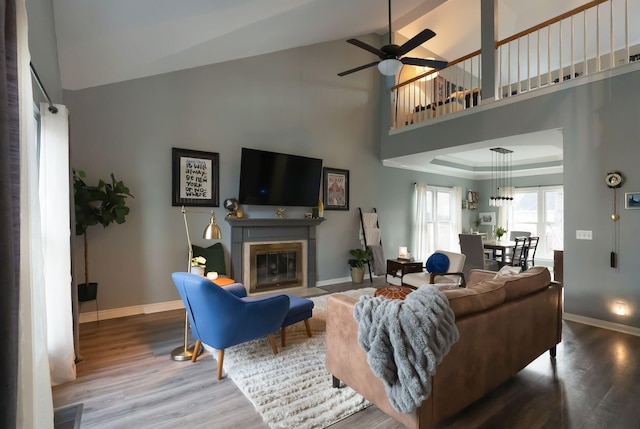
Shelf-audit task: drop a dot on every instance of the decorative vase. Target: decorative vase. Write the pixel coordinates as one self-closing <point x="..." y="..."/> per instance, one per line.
<point x="197" y="270"/>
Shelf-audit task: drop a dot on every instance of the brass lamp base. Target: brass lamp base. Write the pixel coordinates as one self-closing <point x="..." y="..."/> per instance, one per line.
<point x="180" y="354"/>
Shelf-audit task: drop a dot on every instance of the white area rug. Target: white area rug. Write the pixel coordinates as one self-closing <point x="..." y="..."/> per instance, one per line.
<point x="293" y="389"/>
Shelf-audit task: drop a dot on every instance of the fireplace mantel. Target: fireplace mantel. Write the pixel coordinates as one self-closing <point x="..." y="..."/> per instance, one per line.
<point x="273" y="230"/>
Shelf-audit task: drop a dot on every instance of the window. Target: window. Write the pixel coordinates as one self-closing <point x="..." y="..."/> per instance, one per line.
<point x="541" y="212"/>
<point x="436" y="218"/>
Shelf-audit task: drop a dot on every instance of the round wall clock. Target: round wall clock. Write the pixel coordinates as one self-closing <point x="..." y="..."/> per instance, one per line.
<point x="613" y="179"/>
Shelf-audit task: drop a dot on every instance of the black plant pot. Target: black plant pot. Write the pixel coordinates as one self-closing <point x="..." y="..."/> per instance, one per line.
<point x="87" y="292"/>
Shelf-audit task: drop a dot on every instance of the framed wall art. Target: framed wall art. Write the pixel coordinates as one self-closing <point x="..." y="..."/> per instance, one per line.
<point x="335" y="189"/>
<point x="195" y="178"/>
<point x="632" y="200"/>
<point x="488" y="218"/>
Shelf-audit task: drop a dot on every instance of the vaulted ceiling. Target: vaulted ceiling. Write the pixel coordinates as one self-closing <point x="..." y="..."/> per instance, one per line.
<point x="101" y="42"/>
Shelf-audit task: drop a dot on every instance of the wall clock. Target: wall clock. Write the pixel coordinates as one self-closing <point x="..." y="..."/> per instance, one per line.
<point x="613" y="179"/>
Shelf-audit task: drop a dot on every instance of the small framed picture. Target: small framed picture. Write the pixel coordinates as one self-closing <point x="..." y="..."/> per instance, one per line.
<point x="632" y="200"/>
<point x="488" y="218"/>
<point x="335" y="189"/>
<point x="194" y="178"/>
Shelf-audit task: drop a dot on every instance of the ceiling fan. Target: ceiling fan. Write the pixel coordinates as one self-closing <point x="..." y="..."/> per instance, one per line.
<point x="390" y="62"/>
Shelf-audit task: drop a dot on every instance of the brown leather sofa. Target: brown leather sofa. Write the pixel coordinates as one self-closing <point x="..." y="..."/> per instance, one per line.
<point x="504" y="324"/>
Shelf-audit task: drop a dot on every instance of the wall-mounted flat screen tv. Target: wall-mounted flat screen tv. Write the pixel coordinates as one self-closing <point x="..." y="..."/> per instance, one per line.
<point x="278" y="179"/>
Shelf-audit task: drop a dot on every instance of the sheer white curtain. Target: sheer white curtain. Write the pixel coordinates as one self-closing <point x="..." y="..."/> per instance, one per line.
<point x="456" y="213"/>
<point x="56" y="244"/>
<point x="505" y="213"/>
<point x="420" y="224"/>
<point x="35" y="404"/>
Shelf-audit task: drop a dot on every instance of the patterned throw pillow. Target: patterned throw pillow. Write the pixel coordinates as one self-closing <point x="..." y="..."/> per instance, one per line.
<point x="393" y="292"/>
<point x="437" y="263"/>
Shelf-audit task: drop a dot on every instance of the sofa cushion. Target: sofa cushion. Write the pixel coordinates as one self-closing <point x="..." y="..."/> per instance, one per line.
<point x="478" y="297"/>
<point x="534" y="279"/>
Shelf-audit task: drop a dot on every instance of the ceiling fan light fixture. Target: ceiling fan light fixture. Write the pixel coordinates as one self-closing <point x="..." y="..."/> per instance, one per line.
<point x="389" y="67"/>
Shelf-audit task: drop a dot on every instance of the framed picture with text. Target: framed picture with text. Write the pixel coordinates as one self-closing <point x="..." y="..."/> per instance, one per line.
<point x="195" y="178"/>
<point x="335" y="189"/>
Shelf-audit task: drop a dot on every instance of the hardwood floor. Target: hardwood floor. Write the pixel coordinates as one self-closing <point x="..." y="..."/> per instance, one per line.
<point x="128" y="380"/>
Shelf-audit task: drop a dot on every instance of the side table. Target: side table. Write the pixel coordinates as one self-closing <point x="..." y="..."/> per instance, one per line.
<point x="399" y="267"/>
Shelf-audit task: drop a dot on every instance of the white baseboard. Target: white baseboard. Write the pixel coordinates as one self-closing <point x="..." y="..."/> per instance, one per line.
<point x="333" y="281"/>
<point x="113" y="313"/>
<point x="618" y="327"/>
<point x="341" y="280"/>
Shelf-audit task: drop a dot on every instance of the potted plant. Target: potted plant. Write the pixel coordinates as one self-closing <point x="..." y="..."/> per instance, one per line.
<point x="102" y="204"/>
<point x="500" y="231"/>
<point x="360" y="257"/>
<point x="476" y="223"/>
<point x="198" y="265"/>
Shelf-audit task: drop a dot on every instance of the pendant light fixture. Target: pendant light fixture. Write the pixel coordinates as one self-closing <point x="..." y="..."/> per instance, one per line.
<point x="501" y="177"/>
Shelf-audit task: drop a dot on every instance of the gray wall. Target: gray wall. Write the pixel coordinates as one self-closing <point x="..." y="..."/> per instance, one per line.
<point x="290" y="101"/>
<point x="599" y="135"/>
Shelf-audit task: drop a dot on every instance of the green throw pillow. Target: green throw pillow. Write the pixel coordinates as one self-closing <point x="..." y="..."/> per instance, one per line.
<point x="214" y="255"/>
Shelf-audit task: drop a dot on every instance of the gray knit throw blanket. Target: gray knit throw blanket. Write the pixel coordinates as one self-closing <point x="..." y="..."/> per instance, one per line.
<point x="405" y="341"/>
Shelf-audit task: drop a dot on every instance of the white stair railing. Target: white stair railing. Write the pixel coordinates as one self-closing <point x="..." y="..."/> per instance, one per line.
<point x="586" y="40"/>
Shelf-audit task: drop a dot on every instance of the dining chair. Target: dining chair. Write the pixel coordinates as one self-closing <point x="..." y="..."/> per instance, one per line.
<point x="512" y="237"/>
<point x="514" y="234"/>
<point x="530" y="257"/>
<point x="519" y="255"/>
<point x="471" y="246"/>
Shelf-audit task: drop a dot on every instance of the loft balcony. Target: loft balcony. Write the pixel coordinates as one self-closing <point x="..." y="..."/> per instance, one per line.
<point x="576" y="47"/>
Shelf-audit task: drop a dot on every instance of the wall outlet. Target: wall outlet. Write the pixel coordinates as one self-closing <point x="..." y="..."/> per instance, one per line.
<point x="584" y="235"/>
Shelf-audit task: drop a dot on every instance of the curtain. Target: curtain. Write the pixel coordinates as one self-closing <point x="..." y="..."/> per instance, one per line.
<point x="9" y="217"/>
<point x="56" y="241"/>
<point x="456" y="214"/>
<point x="34" y="404"/>
<point x="420" y="225"/>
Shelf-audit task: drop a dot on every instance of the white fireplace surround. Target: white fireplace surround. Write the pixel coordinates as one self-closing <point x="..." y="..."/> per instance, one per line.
<point x="246" y="262"/>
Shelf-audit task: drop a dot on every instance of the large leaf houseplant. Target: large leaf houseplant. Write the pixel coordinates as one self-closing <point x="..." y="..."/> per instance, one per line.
<point x="102" y="204"/>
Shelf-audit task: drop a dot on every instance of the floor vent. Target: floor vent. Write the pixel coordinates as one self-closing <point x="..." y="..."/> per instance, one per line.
<point x="67" y="417"/>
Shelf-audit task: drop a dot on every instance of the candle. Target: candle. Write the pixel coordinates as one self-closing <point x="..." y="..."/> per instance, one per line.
<point x="403" y="252"/>
<point x="212" y="275"/>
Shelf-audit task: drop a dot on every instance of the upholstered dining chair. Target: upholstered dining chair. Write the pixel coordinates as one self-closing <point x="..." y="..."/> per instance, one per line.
<point x="222" y="317"/>
<point x="435" y="272"/>
<point x="471" y="246"/>
<point x="514" y="234"/>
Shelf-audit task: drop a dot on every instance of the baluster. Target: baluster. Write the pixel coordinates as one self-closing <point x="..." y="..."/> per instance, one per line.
<point x="613" y="54"/>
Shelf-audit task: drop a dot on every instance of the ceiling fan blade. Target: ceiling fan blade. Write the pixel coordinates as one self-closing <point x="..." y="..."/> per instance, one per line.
<point x="367" y="47"/>
<point x="416" y="41"/>
<point x="366" y="66"/>
<point x="434" y="64"/>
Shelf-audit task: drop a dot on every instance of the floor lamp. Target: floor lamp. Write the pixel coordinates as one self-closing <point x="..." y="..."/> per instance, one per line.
<point x="211" y="232"/>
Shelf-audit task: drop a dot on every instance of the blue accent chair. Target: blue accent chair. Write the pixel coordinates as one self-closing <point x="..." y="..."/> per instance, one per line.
<point x="224" y="316"/>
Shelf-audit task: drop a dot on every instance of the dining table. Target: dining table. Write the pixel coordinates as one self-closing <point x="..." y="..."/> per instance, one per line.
<point x="498" y="248"/>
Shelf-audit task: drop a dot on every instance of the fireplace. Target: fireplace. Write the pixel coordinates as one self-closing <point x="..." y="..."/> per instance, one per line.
<point x="247" y="232"/>
<point x="274" y="266"/>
